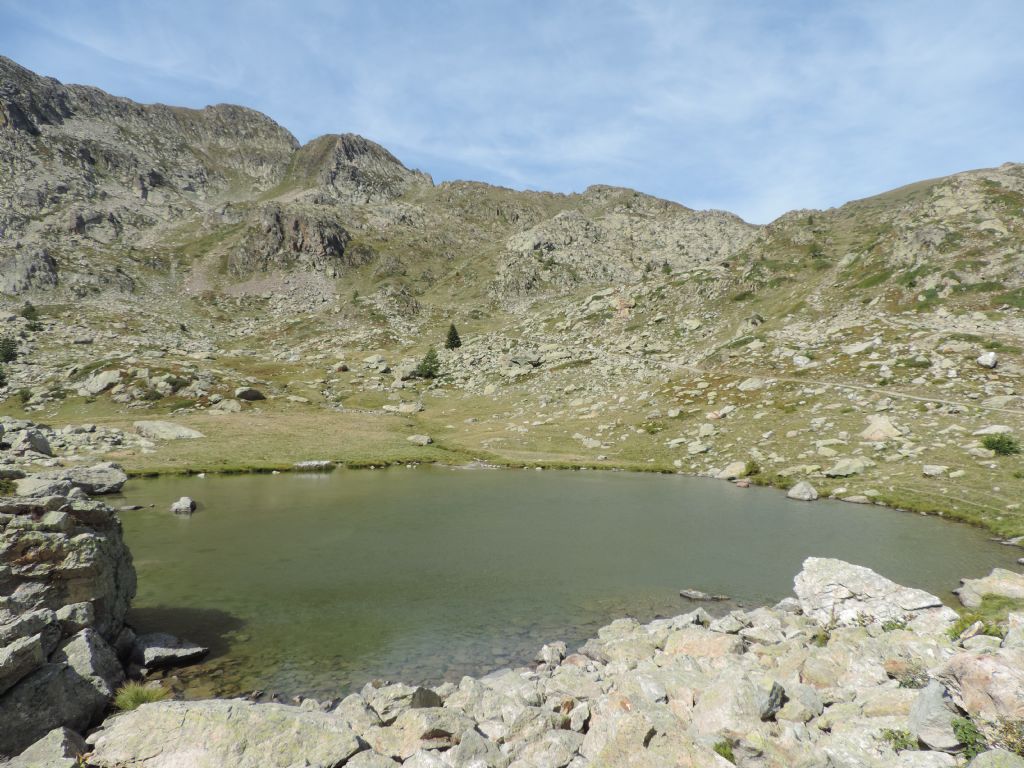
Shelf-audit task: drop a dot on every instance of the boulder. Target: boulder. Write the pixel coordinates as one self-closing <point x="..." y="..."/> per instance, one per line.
<point x="416" y="729"/>
<point x="997" y="758"/>
<point x="249" y="393"/>
<point x="1000" y="581"/>
<point x="72" y="690"/>
<point x="879" y="429"/>
<point x="836" y="592"/>
<point x="159" y="650"/>
<point x="95" y="480"/>
<point x="183" y="506"/>
<point x="802" y="491"/>
<point x="733" y="471"/>
<point x="17" y="659"/>
<point x="219" y="733"/>
<point x="166" y="430"/>
<point x="38" y="486"/>
<point x="931" y="718"/>
<point x="987" y="360"/>
<point x="988" y="685"/>
<point x="99" y="382"/>
<point x="847" y="467"/>
<point x="32" y="440"/>
<point x="60" y="748"/>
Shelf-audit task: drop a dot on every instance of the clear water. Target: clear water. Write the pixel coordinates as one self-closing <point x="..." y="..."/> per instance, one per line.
<point x="315" y="584"/>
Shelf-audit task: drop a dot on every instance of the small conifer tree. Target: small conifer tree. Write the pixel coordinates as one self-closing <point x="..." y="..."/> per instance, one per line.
<point x="8" y="350"/>
<point x="453" y="341"/>
<point x="429" y="366"/>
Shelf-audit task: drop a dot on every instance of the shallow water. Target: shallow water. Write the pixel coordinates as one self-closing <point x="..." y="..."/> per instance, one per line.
<point x="316" y="583"/>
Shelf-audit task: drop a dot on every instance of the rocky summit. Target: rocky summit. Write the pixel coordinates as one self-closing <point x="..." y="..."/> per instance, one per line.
<point x="193" y="290"/>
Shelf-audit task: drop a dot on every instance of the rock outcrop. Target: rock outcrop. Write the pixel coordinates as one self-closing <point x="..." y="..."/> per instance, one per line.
<point x="66" y="582"/>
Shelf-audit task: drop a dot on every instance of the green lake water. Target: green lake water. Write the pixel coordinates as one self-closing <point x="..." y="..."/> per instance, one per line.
<point x="317" y="583"/>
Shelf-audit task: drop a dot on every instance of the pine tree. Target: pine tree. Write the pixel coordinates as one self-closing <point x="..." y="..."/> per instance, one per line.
<point x="429" y="366"/>
<point x="8" y="350"/>
<point x="453" y="341"/>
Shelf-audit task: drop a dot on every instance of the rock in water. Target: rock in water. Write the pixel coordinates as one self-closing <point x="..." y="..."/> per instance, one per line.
<point x="183" y="506"/>
<point x="159" y="650"/>
<point x="802" y="491"/>
<point x="836" y="592"/>
<point x="166" y="430"/>
<point x="217" y="734"/>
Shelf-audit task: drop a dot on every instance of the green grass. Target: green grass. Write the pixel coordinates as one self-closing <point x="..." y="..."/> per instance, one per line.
<point x="134" y="694"/>
<point x="992" y="613"/>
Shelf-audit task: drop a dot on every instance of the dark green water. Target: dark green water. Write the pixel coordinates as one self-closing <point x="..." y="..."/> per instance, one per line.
<point x="317" y="583"/>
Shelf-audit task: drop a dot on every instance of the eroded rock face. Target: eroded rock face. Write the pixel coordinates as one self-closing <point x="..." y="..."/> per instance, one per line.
<point x="66" y="581"/>
<point x="214" y="734"/>
<point x="835" y="592"/>
<point x="988" y="685"/>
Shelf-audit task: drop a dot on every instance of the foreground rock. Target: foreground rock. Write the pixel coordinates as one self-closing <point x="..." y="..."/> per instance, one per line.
<point x="219" y="734"/>
<point x="836" y="592"/>
<point x="66" y="580"/>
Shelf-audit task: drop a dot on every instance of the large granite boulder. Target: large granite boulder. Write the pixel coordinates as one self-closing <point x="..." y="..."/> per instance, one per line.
<point x="72" y="689"/>
<point x="987" y="685"/>
<point x="98" y="479"/>
<point x="217" y="734"/>
<point x="834" y="592"/>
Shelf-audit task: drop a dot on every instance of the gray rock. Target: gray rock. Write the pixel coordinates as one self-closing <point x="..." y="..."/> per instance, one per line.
<point x="17" y="659"/>
<point x="97" y="479"/>
<point x="158" y="650"/>
<point x="166" y="430"/>
<point x="931" y="718"/>
<point x="1000" y="581"/>
<point x="802" y="491"/>
<point x="217" y="734"/>
<point x="99" y="382"/>
<point x="988" y="360"/>
<point x="60" y="748"/>
<point x="833" y="591"/>
<point x="72" y="690"/>
<point x="183" y="506"/>
<point x="997" y="758"/>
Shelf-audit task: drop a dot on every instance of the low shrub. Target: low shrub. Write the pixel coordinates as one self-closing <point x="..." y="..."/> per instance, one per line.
<point x="1002" y="444"/>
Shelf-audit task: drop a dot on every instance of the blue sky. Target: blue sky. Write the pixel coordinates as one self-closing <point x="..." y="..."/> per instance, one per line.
<point x="755" y="107"/>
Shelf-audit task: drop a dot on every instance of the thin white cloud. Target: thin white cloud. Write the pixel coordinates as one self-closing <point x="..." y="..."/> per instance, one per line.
<point x="756" y="108"/>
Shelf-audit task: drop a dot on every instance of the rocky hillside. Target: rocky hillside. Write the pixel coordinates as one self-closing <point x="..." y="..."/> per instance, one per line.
<point x="174" y="256"/>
